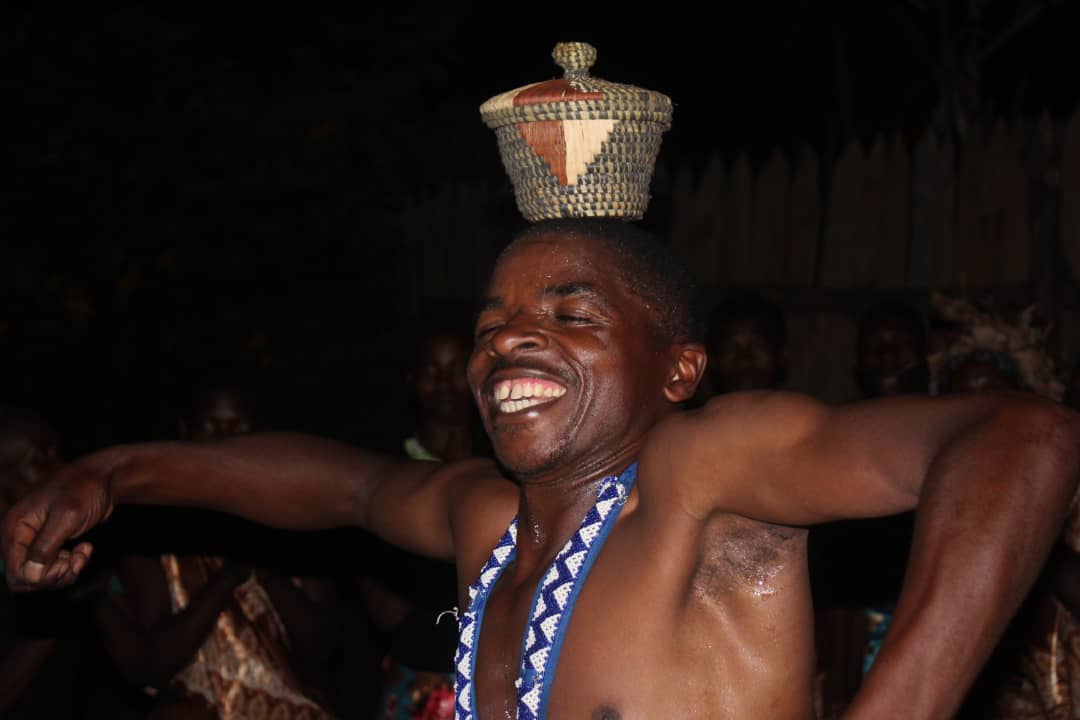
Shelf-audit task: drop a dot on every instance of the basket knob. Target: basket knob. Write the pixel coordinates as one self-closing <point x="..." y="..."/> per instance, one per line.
<point x="575" y="58"/>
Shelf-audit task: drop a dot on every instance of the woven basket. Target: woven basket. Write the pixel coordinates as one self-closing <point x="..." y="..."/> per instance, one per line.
<point x="579" y="146"/>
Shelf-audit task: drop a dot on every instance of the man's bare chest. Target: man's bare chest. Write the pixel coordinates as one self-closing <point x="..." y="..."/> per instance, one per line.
<point x="609" y="607"/>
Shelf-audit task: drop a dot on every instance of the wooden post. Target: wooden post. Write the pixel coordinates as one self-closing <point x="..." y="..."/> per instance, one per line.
<point x="1046" y="270"/>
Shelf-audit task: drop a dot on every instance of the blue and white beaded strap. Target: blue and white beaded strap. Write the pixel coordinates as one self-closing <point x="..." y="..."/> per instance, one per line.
<point x="557" y="593"/>
<point x="468" y="623"/>
<point x="553" y="603"/>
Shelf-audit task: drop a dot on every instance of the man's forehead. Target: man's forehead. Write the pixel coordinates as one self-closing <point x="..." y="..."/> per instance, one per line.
<point x="555" y="258"/>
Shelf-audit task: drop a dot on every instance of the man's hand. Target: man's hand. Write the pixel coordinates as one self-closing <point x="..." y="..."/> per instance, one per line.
<point x="36" y="528"/>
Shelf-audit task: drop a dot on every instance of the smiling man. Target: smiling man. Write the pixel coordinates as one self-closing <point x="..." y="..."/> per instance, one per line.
<point x="623" y="557"/>
<point x="648" y="561"/>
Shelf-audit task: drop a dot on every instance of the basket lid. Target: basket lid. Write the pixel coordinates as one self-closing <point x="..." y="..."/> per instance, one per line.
<point x="576" y="96"/>
<point x="578" y="146"/>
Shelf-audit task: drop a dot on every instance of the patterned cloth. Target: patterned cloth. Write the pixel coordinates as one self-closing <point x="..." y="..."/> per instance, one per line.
<point x="415" y="695"/>
<point x="242" y="669"/>
<point x="878" y="620"/>
<point x="1046" y="682"/>
<point x="553" y="603"/>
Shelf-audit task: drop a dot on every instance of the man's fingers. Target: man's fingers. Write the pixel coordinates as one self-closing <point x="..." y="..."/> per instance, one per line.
<point x="58" y="574"/>
<point x="34" y="572"/>
<point x="65" y="572"/>
<point x="61" y="573"/>
<point x="34" y="536"/>
<point x="80" y="556"/>
<point x="59" y="526"/>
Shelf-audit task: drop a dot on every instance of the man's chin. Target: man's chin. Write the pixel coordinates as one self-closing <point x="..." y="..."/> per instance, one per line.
<point x="523" y="464"/>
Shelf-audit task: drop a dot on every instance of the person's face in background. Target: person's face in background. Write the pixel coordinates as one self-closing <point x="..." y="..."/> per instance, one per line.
<point x="975" y="376"/>
<point x="218" y="414"/>
<point x="439" y="378"/>
<point x="744" y="356"/>
<point x="891" y="358"/>
<point x="29" y="455"/>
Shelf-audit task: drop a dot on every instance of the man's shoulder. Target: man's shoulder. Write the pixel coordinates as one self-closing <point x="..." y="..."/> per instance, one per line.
<point x="478" y="486"/>
<point x="474" y="475"/>
<point x="703" y="459"/>
<point x="741" y="417"/>
<point x="764" y="402"/>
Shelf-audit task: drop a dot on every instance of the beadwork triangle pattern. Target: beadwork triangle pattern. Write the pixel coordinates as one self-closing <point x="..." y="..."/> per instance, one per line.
<point x="552" y="603"/>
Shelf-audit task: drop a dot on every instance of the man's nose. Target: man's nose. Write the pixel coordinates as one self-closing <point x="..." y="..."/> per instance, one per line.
<point x="521" y="333"/>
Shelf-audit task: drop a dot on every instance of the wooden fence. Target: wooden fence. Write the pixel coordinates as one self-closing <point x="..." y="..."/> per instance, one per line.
<point x="892" y="219"/>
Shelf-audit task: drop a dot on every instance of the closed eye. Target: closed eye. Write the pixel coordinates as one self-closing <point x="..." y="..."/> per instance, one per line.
<point x="485" y="331"/>
<point x="572" y="318"/>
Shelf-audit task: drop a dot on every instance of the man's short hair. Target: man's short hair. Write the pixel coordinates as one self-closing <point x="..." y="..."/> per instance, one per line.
<point x="647" y="266"/>
<point x="749" y="306"/>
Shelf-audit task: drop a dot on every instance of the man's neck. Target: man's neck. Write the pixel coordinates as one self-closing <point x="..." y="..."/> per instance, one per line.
<point x="551" y="509"/>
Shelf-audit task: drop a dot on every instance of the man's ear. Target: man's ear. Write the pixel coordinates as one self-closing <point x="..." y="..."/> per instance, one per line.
<point x="686" y="372"/>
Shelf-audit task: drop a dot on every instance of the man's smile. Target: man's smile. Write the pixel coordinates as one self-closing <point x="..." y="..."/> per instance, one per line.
<point x="514" y="395"/>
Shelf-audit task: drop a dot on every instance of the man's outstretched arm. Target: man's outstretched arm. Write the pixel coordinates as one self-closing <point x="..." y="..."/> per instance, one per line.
<point x="280" y="479"/>
<point x="990" y="511"/>
<point x="992" y="475"/>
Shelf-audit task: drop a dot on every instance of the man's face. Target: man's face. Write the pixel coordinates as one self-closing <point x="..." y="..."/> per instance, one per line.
<point x="566" y="368"/>
<point x="974" y="376"/>
<point x="744" y="357"/>
<point x="439" y="378"/>
<point x="219" y="414"/>
<point x="891" y="360"/>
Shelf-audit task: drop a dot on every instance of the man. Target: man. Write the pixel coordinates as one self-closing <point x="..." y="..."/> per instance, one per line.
<point x="891" y="351"/>
<point x="698" y="603"/>
<point x="210" y="635"/>
<point x="444" y="414"/>
<point x="746" y="342"/>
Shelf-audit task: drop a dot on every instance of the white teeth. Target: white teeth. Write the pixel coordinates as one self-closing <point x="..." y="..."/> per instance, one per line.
<point x="514" y="396"/>
<point x="513" y="406"/>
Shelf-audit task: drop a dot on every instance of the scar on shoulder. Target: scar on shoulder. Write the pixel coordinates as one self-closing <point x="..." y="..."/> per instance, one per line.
<point x="605" y="712"/>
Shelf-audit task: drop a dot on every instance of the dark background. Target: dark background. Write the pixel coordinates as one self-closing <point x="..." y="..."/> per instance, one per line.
<point x="206" y="188"/>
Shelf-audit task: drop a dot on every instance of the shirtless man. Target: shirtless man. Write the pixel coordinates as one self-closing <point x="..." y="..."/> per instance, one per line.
<point x="698" y="604"/>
